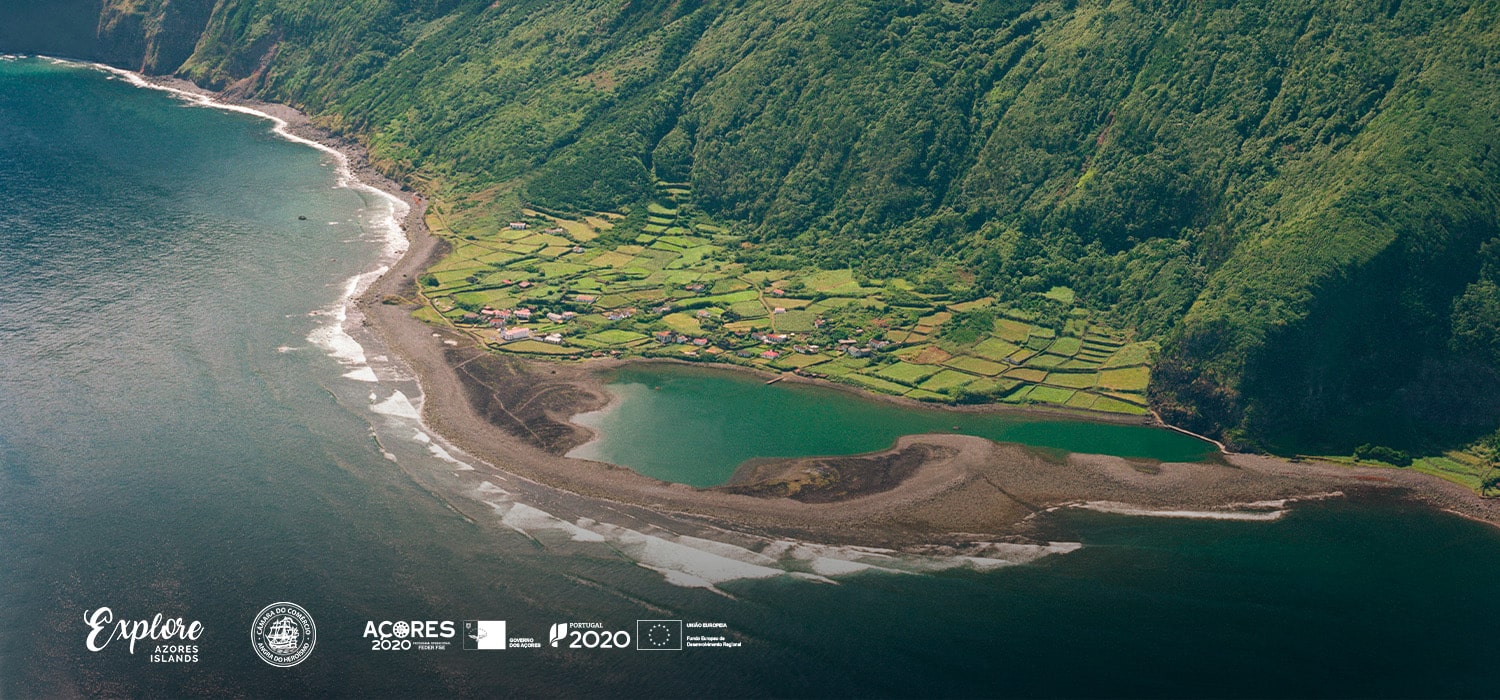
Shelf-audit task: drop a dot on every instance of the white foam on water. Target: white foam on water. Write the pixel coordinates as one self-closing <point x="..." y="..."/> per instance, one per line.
<point x="438" y="451"/>
<point x="486" y="487"/>
<point x="393" y="237"/>
<point x="681" y="579"/>
<point x="727" y="550"/>
<point x="984" y="563"/>
<point x="825" y="566"/>
<point x="1127" y="509"/>
<point x="526" y="519"/>
<point x="698" y="562"/>
<point x="332" y="336"/>
<point x="1021" y="553"/>
<point x="803" y="576"/>
<point x="433" y="447"/>
<point x="363" y="374"/>
<point x="397" y="405"/>
<point x="662" y="554"/>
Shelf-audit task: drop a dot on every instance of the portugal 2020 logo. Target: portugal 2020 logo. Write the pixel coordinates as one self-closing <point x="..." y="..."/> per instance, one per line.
<point x="283" y="634"/>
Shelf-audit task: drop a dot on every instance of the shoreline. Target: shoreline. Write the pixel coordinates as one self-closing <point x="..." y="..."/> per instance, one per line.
<point x="962" y="488"/>
<point x="597" y="367"/>
<point x="1029" y="410"/>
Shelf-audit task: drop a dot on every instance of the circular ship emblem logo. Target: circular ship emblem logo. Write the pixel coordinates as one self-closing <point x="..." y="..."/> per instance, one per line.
<point x="283" y="634"/>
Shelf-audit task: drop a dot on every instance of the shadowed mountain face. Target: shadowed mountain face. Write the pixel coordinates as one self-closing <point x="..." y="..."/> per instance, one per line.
<point x="1299" y="200"/>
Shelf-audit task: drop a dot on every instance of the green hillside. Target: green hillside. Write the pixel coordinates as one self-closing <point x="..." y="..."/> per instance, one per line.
<point x="1297" y="200"/>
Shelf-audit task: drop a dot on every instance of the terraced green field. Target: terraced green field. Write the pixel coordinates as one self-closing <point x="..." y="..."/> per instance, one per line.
<point x="670" y="287"/>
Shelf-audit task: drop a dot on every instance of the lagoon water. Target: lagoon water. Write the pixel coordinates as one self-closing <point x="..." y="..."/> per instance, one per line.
<point x="694" y="425"/>
<point x="176" y="437"/>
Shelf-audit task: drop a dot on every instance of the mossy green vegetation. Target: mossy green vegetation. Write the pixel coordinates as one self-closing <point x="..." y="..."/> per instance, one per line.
<point x="555" y="287"/>
<point x="1293" y="200"/>
<point x="694" y="299"/>
<point x="1475" y="466"/>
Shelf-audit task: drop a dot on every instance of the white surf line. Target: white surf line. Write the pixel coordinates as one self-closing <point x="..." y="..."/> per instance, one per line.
<point x="332" y="337"/>
<point x="1125" y="509"/>
<point x="695" y="562"/>
<point x="281" y="128"/>
<point x="1252" y="511"/>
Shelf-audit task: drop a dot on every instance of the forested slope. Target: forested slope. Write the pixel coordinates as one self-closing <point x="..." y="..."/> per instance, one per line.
<point x="1298" y="199"/>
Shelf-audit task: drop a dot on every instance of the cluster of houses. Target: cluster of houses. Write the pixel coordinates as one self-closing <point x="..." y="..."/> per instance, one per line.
<point x="519" y="333"/>
<point x="852" y="348"/>
<point x="670" y="338"/>
<point x="502" y="318"/>
<point x="848" y="346"/>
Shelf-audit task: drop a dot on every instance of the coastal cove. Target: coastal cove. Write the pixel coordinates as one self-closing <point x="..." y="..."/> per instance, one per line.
<point x="178" y="340"/>
<point x="694" y="425"/>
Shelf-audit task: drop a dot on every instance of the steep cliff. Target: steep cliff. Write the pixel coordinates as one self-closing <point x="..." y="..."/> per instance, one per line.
<point x="1299" y="199"/>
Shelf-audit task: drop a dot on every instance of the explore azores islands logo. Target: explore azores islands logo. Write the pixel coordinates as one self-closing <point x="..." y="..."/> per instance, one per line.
<point x="283" y="634"/>
<point x="169" y="638"/>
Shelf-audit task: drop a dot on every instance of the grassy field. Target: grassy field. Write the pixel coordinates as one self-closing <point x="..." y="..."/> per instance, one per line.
<point x="1473" y="467"/>
<point x="671" y="288"/>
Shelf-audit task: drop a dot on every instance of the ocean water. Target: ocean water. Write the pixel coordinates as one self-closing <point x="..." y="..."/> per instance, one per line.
<point x="187" y="428"/>
<point x="694" y="425"/>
